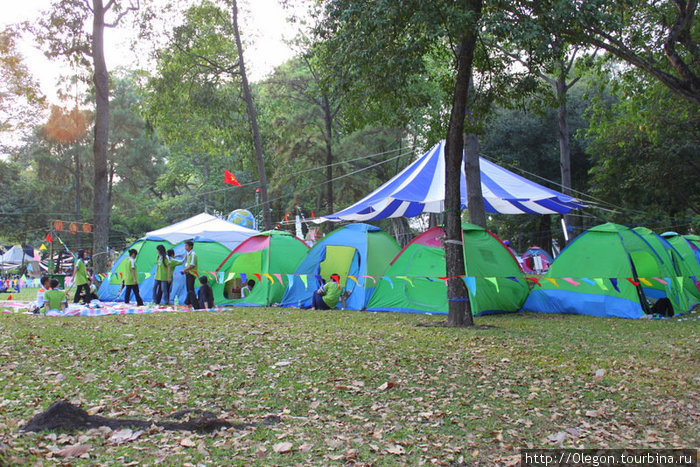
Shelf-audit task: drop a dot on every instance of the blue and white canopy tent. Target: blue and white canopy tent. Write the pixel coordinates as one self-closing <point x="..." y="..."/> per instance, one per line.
<point x="420" y="188"/>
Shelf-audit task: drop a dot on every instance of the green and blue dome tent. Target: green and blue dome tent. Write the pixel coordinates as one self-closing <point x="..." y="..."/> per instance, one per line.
<point x="267" y="259"/>
<point x="610" y="271"/>
<point x="359" y="250"/>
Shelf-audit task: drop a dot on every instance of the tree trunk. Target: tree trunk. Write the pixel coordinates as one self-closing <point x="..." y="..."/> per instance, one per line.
<point x="205" y="171"/>
<point x="459" y="310"/>
<point x="78" y="217"/>
<point x="401" y="230"/>
<point x="328" y="117"/>
<point x="475" y="198"/>
<point x="252" y="116"/>
<point x="564" y="143"/>
<point x="101" y="80"/>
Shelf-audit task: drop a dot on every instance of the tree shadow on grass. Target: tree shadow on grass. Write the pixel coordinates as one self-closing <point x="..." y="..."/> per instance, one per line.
<point x="62" y="415"/>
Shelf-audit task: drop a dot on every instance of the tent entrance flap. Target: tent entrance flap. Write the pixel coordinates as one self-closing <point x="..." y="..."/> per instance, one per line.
<point x="430" y="294"/>
<point x="341" y="260"/>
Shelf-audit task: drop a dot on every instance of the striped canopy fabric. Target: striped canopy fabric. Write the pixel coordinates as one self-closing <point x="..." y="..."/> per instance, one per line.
<point x="420" y="188"/>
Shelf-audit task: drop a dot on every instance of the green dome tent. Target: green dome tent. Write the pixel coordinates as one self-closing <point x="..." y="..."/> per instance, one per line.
<point x="271" y="255"/>
<point x="413" y="285"/>
<point x="609" y="271"/>
<point x="689" y="265"/>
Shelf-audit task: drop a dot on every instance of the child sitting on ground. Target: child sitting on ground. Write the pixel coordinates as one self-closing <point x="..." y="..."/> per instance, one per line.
<point x="205" y="296"/>
<point x="43" y="287"/>
<point x="54" y="299"/>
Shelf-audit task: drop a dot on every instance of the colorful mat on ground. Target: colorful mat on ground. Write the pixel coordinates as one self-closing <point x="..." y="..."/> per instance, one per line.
<point x="115" y="308"/>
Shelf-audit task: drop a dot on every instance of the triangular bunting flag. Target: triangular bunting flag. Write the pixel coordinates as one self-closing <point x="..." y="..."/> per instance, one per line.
<point x="257" y="276"/>
<point x="222" y="276"/>
<point x="305" y="280"/>
<point x="632" y="281"/>
<point x="494" y="281"/>
<point x="370" y="277"/>
<point x="552" y="280"/>
<point x="290" y="281"/>
<point x="470" y="282"/>
<point x="354" y="279"/>
<point x="680" y="282"/>
<point x="390" y="282"/>
<point x="513" y="278"/>
<point x="588" y="281"/>
<point x="48" y="238"/>
<point x="601" y="283"/>
<point x="405" y="278"/>
<point x="279" y="278"/>
<point x="9" y="297"/>
<point x="535" y="280"/>
<point x="613" y="281"/>
<point x="571" y="281"/>
<point x="244" y="278"/>
<point x="42" y="247"/>
<point x="645" y="282"/>
<point x="147" y="274"/>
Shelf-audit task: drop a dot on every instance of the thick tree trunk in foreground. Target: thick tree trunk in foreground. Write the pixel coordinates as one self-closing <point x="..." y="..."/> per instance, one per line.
<point x="252" y="116"/>
<point x="101" y="206"/>
<point x="459" y="309"/>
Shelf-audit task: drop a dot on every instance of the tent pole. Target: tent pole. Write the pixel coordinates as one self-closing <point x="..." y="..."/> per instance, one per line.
<point x="566" y="233"/>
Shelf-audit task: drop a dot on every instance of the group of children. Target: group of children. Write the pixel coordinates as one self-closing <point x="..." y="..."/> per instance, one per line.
<point x="163" y="279"/>
<point x="50" y="297"/>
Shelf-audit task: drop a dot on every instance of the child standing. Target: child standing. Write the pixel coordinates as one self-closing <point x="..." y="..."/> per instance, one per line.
<point x="80" y="277"/>
<point x="131" y="280"/>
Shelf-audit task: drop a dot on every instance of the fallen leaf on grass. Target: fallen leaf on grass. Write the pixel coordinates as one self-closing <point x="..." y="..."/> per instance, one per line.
<point x="124" y="436"/>
<point x="187" y="442"/>
<point x="599" y="374"/>
<point x="593" y="413"/>
<point x="306" y="447"/>
<point x="387" y="385"/>
<point x="74" y="451"/>
<point x="557" y="438"/>
<point x="94" y="410"/>
<point x="283" y="363"/>
<point x="396" y="449"/>
<point x="282" y="447"/>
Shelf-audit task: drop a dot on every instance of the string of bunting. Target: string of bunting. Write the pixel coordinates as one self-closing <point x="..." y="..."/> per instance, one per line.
<point x="604" y="283"/>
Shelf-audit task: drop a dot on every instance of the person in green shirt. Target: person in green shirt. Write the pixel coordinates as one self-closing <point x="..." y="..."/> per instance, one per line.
<point x="172" y="262"/>
<point x="248" y="288"/>
<point x="326" y="297"/>
<point x="190" y="272"/>
<point x="80" y="277"/>
<point x="131" y="279"/>
<point x="160" y="283"/>
<point x="54" y="299"/>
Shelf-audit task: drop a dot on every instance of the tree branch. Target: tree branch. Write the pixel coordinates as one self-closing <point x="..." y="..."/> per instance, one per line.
<point x="130" y="8"/>
<point x="681" y="26"/>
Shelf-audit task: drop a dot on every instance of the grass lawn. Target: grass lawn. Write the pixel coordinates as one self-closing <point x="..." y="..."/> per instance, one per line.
<point x="350" y="387"/>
